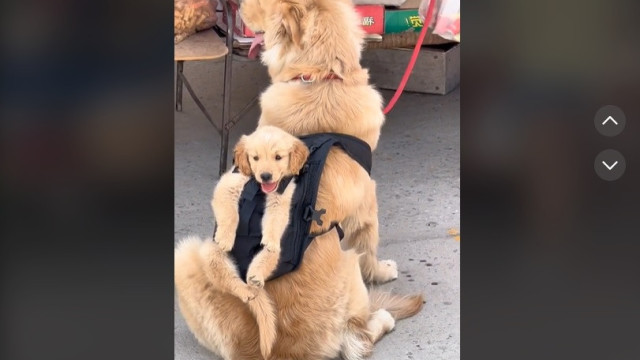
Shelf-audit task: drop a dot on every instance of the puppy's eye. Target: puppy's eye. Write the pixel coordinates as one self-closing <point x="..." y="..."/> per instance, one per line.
<point x="256" y="158"/>
<point x="278" y="157"/>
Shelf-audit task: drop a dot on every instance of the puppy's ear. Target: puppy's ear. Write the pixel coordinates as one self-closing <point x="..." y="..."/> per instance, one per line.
<point x="240" y="157"/>
<point x="292" y="14"/>
<point x="298" y="156"/>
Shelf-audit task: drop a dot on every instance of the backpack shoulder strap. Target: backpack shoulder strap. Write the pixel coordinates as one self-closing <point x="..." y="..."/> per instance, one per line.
<point x="359" y="150"/>
<point x="250" y="199"/>
<point x="319" y="146"/>
<point x="356" y="148"/>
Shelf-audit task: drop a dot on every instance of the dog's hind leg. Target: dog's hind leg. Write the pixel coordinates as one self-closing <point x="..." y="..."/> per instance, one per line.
<point x="361" y="234"/>
<point x="356" y="340"/>
<point x="364" y="327"/>
<point x="380" y="323"/>
<point x="222" y="273"/>
<point x="360" y="335"/>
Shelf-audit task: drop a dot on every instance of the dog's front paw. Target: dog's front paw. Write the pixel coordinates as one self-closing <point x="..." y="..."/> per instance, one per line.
<point x="255" y="280"/>
<point x="224" y="242"/>
<point x="246" y="293"/>
<point x="274" y="248"/>
<point x="387" y="271"/>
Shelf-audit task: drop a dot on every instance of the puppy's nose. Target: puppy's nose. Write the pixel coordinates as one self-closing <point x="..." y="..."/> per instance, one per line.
<point x="266" y="177"/>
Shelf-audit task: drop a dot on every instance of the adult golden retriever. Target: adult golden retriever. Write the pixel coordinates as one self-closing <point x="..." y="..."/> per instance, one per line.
<point x="312" y="51"/>
<point x="323" y="309"/>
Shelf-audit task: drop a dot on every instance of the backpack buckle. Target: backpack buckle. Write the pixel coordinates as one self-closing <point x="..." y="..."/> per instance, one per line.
<point x="311" y="214"/>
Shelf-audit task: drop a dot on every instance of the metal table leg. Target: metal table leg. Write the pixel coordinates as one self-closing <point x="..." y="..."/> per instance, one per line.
<point x="179" y="76"/>
<point x="197" y="101"/>
<point x="226" y="104"/>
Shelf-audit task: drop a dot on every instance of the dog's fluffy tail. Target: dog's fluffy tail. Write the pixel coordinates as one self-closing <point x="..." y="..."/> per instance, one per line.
<point x="399" y="306"/>
<point x="262" y="308"/>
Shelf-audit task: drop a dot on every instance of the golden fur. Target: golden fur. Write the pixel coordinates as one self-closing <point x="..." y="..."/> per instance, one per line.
<point x="317" y="38"/>
<point x="268" y="150"/>
<point x="323" y="309"/>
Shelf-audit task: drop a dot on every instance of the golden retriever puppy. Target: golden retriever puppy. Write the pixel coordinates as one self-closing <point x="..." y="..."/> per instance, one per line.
<point x="270" y="155"/>
<point x="312" y="51"/>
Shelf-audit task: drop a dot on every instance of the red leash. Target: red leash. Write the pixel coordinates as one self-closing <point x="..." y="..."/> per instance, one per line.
<point x="413" y="59"/>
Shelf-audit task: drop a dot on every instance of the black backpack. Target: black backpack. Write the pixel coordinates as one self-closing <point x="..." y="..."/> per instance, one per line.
<point x="296" y="237"/>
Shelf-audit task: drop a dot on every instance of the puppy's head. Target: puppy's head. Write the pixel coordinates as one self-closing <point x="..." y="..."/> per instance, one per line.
<point x="270" y="154"/>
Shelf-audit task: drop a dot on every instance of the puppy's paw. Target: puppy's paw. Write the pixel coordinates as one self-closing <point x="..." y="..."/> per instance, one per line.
<point x="246" y="293"/>
<point x="225" y="242"/>
<point x="270" y="246"/>
<point x="387" y="271"/>
<point x="255" y="280"/>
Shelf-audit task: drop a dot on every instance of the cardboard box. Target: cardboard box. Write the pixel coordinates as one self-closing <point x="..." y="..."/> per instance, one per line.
<point x="239" y="27"/>
<point x="437" y="69"/>
<point x="398" y="21"/>
<point x="372" y="18"/>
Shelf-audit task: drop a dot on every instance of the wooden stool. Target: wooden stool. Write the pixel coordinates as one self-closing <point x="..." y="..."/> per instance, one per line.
<point x="205" y="45"/>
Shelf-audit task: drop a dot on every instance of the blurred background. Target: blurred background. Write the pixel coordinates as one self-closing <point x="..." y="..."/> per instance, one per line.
<point x="550" y="263"/>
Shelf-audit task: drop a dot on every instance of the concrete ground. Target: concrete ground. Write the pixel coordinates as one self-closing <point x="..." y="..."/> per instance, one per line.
<point x="416" y="166"/>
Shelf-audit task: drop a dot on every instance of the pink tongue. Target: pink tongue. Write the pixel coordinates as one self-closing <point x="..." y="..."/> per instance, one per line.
<point x="256" y="45"/>
<point x="268" y="187"/>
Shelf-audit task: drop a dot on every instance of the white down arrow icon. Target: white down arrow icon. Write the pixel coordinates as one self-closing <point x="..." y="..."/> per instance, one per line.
<point x="610" y="167"/>
<point x="610" y="118"/>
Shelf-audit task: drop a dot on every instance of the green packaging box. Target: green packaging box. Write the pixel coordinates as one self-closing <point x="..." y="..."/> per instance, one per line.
<point x="398" y="21"/>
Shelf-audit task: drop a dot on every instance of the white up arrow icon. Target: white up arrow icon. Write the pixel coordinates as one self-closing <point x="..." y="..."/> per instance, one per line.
<point x="610" y="118"/>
